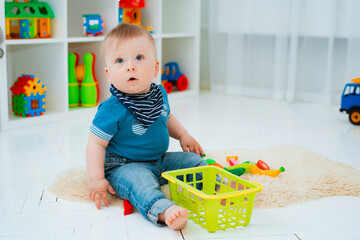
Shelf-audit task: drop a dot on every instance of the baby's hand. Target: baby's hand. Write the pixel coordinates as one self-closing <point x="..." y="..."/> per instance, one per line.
<point x="189" y="144"/>
<point x="97" y="191"/>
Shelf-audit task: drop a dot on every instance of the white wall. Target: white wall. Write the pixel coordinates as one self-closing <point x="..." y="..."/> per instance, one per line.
<point x="204" y="46"/>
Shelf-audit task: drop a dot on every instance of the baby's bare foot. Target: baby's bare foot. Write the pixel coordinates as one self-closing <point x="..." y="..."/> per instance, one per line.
<point x="176" y="217"/>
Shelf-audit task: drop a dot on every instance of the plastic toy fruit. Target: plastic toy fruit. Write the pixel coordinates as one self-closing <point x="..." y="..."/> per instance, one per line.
<point x="271" y="173"/>
<point x="262" y="165"/>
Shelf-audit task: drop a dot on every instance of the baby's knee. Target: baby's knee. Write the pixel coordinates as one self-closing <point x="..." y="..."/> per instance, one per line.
<point x="195" y="159"/>
<point x="200" y="161"/>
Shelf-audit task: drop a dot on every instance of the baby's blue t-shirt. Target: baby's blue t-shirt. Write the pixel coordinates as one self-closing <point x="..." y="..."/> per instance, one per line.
<point x="127" y="138"/>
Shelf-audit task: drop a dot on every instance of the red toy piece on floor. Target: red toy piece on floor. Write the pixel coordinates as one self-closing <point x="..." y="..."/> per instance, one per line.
<point x="262" y="165"/>
<point x="127" y="207"/>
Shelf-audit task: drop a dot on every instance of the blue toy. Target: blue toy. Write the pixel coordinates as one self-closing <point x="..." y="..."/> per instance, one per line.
<point x="24" y="28"/>
<point x="93" y="24"/>
<point x="350" y="101"/>
<point x="172" y="76"/>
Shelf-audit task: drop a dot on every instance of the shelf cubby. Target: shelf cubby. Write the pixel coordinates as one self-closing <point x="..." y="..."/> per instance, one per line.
<point x="94" y="47"/>
<point x="76" y="9"/>
<point x="180" y="17"/>
<point x="44" y="62"/>
<point x="177" y="50"/>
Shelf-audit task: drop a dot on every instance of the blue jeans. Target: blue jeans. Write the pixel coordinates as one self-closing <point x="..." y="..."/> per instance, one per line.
<point x="139" y="182"/>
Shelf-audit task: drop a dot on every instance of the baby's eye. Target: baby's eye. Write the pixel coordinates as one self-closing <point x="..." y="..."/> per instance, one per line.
<point x="119" y="60"/>
<point x="139" y="57"/>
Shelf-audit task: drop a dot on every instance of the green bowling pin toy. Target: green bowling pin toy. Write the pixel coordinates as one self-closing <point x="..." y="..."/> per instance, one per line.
<point x="74" y="89"/>
<point x="88" y="91"/>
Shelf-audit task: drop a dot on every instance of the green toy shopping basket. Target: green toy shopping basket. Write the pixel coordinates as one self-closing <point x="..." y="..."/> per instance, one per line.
<point x="223" y="201"/>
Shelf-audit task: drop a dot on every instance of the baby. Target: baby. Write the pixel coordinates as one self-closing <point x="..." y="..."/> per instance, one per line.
<point x="129" y="136"/>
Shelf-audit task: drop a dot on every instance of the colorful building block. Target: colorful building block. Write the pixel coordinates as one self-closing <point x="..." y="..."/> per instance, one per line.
<point x="130" y="12"/>
<point x="93" y="24"/>
<point x="28" y="19"/>
<point x="28" y="96"/>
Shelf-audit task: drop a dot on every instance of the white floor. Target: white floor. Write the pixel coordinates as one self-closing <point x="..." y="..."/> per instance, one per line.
<point x="31" y="158"/>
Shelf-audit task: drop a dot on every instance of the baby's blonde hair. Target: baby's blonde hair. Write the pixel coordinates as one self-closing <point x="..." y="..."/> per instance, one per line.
<point x="121" y="32"/>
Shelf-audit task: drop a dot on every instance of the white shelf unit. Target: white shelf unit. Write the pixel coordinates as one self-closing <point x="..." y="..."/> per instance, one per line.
<point x="176" y="27"/>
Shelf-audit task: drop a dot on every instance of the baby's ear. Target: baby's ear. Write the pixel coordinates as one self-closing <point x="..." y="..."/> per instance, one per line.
<point x="157" y="66"/>
<point x="107" y="74"/>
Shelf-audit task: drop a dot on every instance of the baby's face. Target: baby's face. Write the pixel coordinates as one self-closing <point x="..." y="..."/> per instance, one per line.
<point x="132" y="65"/>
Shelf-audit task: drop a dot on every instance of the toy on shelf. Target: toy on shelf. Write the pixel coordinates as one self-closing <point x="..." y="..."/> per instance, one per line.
<point x="89" y="91"/>
<point x="28" y="96"/>
<point x="130" y="12"/>
<point x="74" y="87"/>
<point x="83" y="85"/>
<point x="93" y="24"/>
<point x="28" y="19"/>
<point x="80" y="72"/>
<point x="350" y="101"/>
<point x="172" y="76"/>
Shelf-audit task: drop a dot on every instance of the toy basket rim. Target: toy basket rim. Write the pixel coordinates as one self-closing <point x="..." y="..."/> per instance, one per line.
<point x="257" y="186"/>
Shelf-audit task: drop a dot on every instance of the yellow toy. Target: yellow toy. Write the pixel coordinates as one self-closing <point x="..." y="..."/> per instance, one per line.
<point x="272" y="173"/>
<point x="228" y="158"/>
<point x="83" y="85"/>
<point x="80" y="72"/>
<point x="356" y="80"/>
<point x="130" y="12"/>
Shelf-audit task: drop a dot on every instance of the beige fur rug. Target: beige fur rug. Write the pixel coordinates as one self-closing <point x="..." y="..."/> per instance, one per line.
<point x="308" y="176"/>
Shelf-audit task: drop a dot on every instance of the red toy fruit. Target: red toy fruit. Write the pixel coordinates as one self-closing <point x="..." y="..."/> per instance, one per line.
<point x="262" y="165"/>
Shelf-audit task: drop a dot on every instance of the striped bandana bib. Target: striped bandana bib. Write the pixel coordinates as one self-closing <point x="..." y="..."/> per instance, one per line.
<point x="146" y="107"/>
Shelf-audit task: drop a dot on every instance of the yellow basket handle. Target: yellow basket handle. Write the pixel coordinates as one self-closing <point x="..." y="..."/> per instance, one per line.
<point x="192" y="191"/>
<point x="171" y="180"/>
